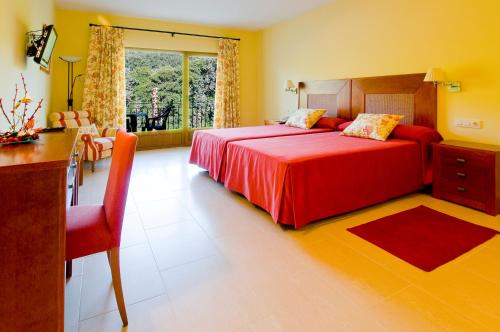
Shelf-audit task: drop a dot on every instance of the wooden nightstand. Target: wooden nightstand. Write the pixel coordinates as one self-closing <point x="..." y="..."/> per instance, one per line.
<point x="272" y="122"/>
<point x="468" y="174"/>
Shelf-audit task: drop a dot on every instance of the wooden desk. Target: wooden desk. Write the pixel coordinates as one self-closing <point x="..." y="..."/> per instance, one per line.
<point x="34" y="197"/>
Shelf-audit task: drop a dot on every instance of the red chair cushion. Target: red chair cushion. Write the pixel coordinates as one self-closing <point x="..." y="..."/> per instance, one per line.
<point x="87" y="231"/>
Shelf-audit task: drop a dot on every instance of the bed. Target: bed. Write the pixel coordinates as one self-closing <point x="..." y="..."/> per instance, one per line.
<point x="208" y="149"/>
<point x="209" y="146"/>
<point x="301" y="179"/>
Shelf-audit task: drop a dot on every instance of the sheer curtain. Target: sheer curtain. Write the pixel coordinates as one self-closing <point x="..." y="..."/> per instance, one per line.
<point x="227" y="99"/>
<point x="104" y="89"/>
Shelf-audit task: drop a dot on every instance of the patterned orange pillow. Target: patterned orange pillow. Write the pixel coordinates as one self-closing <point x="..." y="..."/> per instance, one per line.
<point x="373" y="126"/>
<point x="305" y="118"/>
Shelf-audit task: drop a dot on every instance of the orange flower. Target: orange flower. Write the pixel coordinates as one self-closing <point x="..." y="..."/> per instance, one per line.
<point x="30" y="124"/>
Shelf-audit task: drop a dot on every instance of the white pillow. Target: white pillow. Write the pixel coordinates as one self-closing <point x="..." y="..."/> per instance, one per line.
<point x="305" y="118"/>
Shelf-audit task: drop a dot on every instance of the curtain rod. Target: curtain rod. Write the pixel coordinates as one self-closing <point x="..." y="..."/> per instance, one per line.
<point x="173" y="33"/>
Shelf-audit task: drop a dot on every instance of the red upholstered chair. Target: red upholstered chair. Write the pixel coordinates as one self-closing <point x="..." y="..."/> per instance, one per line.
<point x="95" y="228"/>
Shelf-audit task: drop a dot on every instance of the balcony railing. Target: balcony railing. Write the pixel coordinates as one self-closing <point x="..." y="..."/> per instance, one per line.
<point x="201" y="115"/>
<point x="140" y="115"/>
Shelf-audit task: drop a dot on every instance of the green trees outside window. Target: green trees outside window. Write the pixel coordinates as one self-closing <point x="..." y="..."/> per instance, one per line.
<point x="156" y="79"/>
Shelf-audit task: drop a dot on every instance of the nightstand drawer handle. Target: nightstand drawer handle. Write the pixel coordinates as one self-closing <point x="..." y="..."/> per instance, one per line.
<point x="460" y="174"/>
<point x="461" y="189"/>
<point x="461" y="160"/>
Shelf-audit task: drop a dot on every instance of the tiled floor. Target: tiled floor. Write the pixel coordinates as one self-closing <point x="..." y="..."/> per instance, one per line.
<point x="196" y="257"/>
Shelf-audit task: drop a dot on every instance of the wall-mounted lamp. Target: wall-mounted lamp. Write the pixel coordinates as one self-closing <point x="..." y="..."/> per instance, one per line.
<point x="437" y="76"/>
<point x="290" y="87"/>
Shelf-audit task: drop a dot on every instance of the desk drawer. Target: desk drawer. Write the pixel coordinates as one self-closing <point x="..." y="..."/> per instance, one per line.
<point x="464" y="189"/>
<point x="472" y="160"/>
<point x="470" y="174"/>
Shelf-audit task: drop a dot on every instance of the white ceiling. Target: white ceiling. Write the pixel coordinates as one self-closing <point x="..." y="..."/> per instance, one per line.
<point x="247" y="14"/>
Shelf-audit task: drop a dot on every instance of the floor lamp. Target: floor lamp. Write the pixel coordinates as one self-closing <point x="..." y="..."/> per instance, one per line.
<point x="70" y="60"/>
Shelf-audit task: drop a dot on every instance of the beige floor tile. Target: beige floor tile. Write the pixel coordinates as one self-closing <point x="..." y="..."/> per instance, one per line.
<point x="202" y="296"/>
<point x="132" y="232"/>
<point x="357" y="276"/>
<point x="162" y="212"/>
<point x="414" y="310"/>
<point x="229" y="221"/>
<point x="267" y="324"/>
<point x="154" y="183"/>
<point x="405" y="202"/>
<point x="140" y="278"/>
<point x="130" y="207"/>
<point x="153" y="315"/>
<point x="179" y="244"/>
<point x="72" y="298"/>
<point x="493" y="244"/>
<point x="336" y="228"/>
<point x="469" y="294"/>
<point x="485" y="263"/>
<point x="226" y="266"/>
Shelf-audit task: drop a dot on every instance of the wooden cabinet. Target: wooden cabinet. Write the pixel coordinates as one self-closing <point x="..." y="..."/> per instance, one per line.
<point x="468" y="174"/>
<point x="37" y="184"/>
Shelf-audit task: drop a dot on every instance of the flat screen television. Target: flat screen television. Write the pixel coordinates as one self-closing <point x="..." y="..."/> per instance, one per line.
<point x="45" y="45"/>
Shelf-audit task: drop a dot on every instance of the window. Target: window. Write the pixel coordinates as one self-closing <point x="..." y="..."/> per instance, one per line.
<point x="202" y="71"/>
<point x="155" y="86"/>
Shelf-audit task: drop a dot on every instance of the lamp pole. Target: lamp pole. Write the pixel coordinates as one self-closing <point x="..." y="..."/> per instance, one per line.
<point x="70" y="60"/>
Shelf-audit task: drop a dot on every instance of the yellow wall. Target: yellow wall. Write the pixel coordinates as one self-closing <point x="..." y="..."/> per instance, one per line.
<point x="74" y="37"/>
<point x="19" y="17"/>
<point x="356" y="38"/>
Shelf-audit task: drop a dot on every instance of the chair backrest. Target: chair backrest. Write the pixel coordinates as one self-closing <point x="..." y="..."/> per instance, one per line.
<point x="166" y="111"/>
<point x="115" y="197"/>
<point x="71" y="119"/>
<point x="152" y="123"/>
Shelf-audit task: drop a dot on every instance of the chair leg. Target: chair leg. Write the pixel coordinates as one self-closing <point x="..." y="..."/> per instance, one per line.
<point x="114" y="259"/>
<point x="92" y="167"/>
<point x="69" y="269"/>
<point x="108" y="253"/>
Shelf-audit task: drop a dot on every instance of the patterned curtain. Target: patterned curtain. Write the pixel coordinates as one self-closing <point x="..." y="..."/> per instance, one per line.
<point x="227" y="99"/>
<point x="104" y="89"/>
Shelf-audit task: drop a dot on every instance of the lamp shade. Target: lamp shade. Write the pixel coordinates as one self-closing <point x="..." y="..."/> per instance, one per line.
<point x="289" y="85"/>
<point x="68" y="58"/>
<point x="434" y="75"/>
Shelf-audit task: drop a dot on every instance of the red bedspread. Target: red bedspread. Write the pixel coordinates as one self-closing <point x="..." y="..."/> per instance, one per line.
<point x="300" y="179"/>
<point x="209" y="146"/>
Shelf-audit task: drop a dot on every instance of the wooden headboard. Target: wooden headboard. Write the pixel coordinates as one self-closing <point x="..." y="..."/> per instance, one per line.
<point x="408" y="95"/>
<point x="333" y="95"/>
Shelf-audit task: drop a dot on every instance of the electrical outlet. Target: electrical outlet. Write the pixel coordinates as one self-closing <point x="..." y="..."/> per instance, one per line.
<point x="469" y="123"/>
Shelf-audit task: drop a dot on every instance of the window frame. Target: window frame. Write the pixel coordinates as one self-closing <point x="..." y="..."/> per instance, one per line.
<point x="185" y="87"/>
